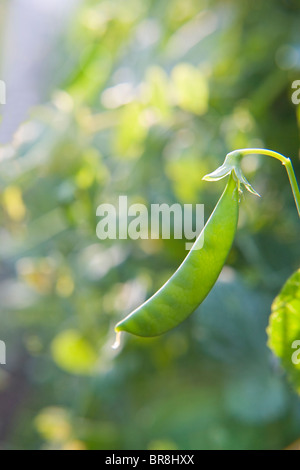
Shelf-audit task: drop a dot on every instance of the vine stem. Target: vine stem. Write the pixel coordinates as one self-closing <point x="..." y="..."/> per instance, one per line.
<point x="284" y="160"/>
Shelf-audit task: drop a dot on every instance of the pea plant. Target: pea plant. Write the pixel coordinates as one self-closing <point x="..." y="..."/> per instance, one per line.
<point x="191" y="283"/>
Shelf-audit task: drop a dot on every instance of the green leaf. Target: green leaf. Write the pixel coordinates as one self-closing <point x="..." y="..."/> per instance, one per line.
<point x="284" y="328"/>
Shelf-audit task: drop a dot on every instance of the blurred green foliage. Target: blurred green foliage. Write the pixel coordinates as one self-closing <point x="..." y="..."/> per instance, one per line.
<point x="149" y="96"/>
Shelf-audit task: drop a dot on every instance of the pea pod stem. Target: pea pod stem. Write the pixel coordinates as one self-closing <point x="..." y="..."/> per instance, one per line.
<point x="284" y="160"/>
<point x="232" y="163"/>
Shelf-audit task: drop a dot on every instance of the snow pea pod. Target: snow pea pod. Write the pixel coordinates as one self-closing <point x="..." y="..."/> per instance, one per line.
<point x="195" y="277"/>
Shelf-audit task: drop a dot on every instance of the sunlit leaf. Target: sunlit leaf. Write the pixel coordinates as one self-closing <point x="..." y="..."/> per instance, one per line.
<point x="284" y="328"/>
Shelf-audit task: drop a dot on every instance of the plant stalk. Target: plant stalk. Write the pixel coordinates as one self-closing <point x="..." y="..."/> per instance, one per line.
<point x="284" y="160"/>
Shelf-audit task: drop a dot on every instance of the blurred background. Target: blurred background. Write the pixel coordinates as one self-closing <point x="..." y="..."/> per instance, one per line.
<point x="142" y="98"/>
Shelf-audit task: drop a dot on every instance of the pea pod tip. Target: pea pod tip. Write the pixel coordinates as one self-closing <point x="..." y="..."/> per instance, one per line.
<point x="117" y="342"/>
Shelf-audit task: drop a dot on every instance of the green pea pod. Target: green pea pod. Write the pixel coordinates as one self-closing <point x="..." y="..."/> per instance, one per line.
<point x="195" y="277"/>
